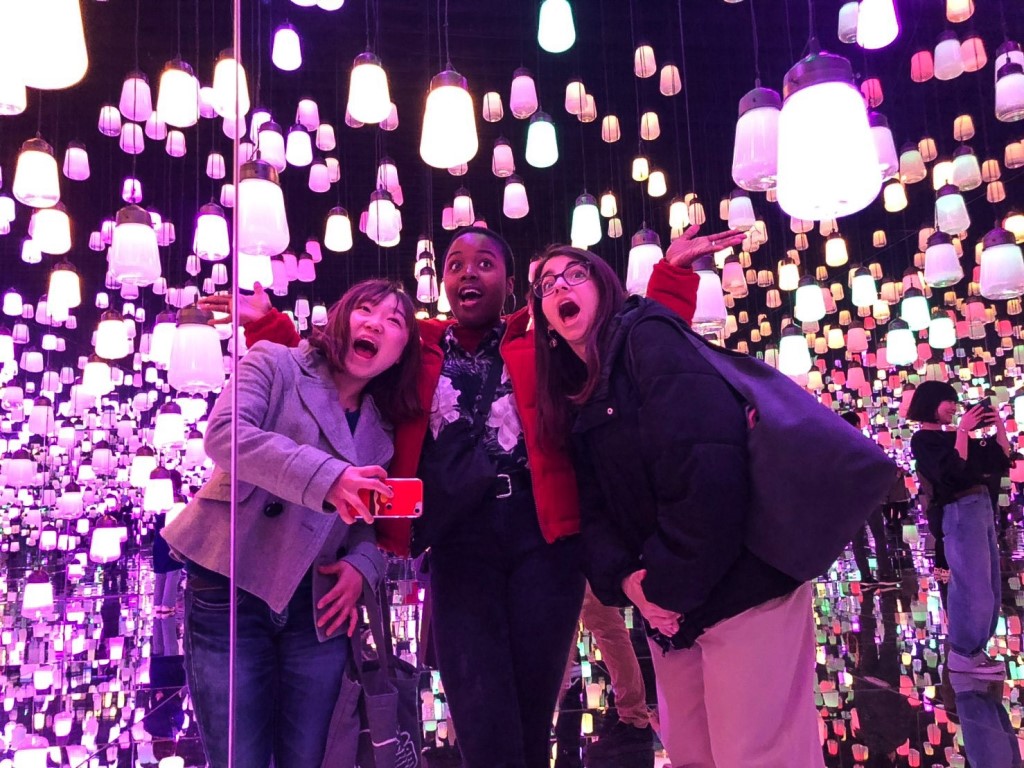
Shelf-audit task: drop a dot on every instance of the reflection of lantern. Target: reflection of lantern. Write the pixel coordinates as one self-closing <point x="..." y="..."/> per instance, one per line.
<point x="159" y="493"/>
<point x="262" y="223"/>
<point x="1002" y="266"/>
<point x="21" y="468"/>
<point x="169" y="429"/>
<point x="143" y="463"/>
<point x="105" y="546"/>
<point x="37" y="599"/>
<point x="196" y="363"/>
<point x="134" y="256"/>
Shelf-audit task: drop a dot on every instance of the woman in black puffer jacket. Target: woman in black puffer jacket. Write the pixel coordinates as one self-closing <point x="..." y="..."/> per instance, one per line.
<point x="659" y="446"/>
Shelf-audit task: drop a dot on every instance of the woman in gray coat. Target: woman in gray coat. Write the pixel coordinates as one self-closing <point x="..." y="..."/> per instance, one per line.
<point x="314" y="429"/>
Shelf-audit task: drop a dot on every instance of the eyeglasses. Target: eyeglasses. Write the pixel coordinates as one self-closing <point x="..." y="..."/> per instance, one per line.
<point x="576" y="273"/>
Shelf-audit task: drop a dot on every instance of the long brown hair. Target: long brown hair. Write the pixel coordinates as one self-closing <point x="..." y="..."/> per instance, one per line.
<point x="394" y="391"/>
<point x="563" y="380"/>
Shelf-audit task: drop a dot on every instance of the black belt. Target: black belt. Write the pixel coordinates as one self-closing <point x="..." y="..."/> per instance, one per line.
<point x="514" y="481"/>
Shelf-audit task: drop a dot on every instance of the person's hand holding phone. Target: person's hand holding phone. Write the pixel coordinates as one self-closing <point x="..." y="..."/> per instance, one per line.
<point x="249" y="307"/>
<point x="662" y="619"/>
<point x="340" y="604"/>
<point x="977" y="417"/>
<point x="349" y="492"/>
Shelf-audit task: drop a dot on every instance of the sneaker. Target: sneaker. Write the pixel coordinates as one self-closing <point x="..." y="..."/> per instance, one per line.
<point x="980" y="665"/>
<point x="619" y="741"/>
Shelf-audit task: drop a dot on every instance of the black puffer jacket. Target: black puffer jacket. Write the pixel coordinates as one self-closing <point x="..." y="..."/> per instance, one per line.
<point x="661" y="458"/>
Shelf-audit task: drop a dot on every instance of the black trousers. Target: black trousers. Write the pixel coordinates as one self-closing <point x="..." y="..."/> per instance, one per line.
<point x="505" y="607"/>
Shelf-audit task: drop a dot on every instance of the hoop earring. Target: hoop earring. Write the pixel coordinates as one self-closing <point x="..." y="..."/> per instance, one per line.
<point x="552" y="338"/>
<point x="511" y="309"/>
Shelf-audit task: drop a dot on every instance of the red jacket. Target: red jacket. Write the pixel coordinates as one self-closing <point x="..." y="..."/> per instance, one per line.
<point x="554" y="482"/>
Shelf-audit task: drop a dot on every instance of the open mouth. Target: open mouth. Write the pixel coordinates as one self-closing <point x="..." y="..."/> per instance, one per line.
<point x="568" y="310"/>
<point x="364" y="348"/>
<point x="470" y="294"/>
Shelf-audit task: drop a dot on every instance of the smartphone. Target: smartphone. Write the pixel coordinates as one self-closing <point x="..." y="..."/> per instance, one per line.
<point x="985" y="402"/>
<point x="405" y="501"/>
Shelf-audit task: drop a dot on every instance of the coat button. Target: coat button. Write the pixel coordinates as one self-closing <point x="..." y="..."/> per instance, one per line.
<point x="611" y="411"/>
<point x="273" y="509"/>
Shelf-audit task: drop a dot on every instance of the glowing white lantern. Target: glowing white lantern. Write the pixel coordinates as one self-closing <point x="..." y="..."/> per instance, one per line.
<point x="449" y="134"/>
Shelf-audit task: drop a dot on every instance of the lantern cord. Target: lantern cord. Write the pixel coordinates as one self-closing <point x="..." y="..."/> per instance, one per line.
<point x="440" y="47"/>
<point x="366" y="9"/>
<point x="812" y="36"/>
<point x="757" y="52"/>
<point x="1002" y="20"/>
<point x="686" y="95"/>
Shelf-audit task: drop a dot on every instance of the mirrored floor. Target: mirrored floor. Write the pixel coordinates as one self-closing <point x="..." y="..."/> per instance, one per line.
<point x="93" y="676"/>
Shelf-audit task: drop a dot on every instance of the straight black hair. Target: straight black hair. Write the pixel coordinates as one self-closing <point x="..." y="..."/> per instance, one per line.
<point x="927" y="398"/>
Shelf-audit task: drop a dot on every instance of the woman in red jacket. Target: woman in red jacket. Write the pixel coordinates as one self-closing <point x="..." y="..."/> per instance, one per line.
<point x="505" y="579"/>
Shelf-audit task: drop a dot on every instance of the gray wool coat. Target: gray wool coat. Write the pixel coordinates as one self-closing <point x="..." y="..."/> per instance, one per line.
<point x="293" y="442"/>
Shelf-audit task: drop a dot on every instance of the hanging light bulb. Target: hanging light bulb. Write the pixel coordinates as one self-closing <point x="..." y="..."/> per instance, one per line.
<point x="112" y="337"/>
<point x="49" y="41"/>
<point x="299" y="147"/>
<point x="196" y="363"/>
<point x="493" y="110"/>
<point x="670" y="83"/>
<point x="462" y="208"/>
<point x="65" y="289"/>
<point x="381" y="221"/>
<point x="865" y="294"/>
<point x="523" y="97"/>
<point x="230" y="84"/>
<point x="884" y="144"/>
<point x="645" y="251"/>
<point x="586" y="222"/>
<point x="912" y="168"/>
<point x="877" y="24"/>
<point x="959" y="10"/>
<point x="810" y="304"/>
<point x="657" y="185"/>
<point x="966" y="169"/>
<point x="50" y="229"/>
<point x="37" y="601"/>
<point x="515" y="204"/>
<point x="1002" y="266"/>
<point x="136" y="101"/>
<point x="211" y="241"/>
<point x="1010" y="93"/>
<point x="449" y="134"/>
<point x="942" y="266"/>
<point x="286" y="52"/>
<point x="836" y="254"/>
<point x="755" y="149"/>
<point x="914" y="310"/>
<point x="262" y="222"/>
<point x="541" y="144"/>
<point x="36" y="182"/>
<point x="951" y="211"/>
<point x="847" y="22"/>
<point x="900" y="345"/>
<point x="894" y="196"/>
<point x="794" y="355"/>
<point x="338" y="230"/>
<point x="828" y="165"/>
<point x="710" y="312"/>
<point x="941" y="330"/>
<point x="741" y="211"/>
<point x="426" y="283"/>
<point x="503" y="164"/>
<point x="134" y="257"/>
<point x="556" y="31"/>
<point x="949" y="61"/>
<point x="177" y="100"/>
<point x="611" y="131"/>
<point x="369" y="98"/>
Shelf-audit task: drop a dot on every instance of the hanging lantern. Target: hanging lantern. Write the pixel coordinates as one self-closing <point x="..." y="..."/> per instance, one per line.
<point x="710" y="312"/>
<point x="286" y="52"/>
<point x="789" y="274"/>
<point x="912" y="167"/>
<point x="493" y="110"/>
<point x="650" y="127"/>
<point x="50" y="229"/>
<point x="951" y="211"/>
<point x="369" y="97"/>
<point x="196" y="363"/>
<point x="156" y="129"/>
<point x="556" y="31"/>
<point x="1002" y="266"/>
<point x="877" y="24"/>
<point x="972" y="51"/>
<point x="134" y="256"/>
<point x="794" y="355"/>
<point x="262" y="222"/>
<point x="159" y="493"/>
<point x="338" y="230"/>
<point x="610" y="129"/>
<point x="49" y="41"/>
<point x="76" y="161"/>
<point x="503" y="164"/>
<point x="325" y="137"/>
<point x="112" y="336"/>
<point x="922" y="66"/>
<point x="828" y="165"/>
<point x="670" y="83"/>
<point x="382" y="223"/>
<point x="177" y="100"/>
<point x="836" y="254"/>
<point x="299" y="147"/>
<point x="523" y="98"/>
<point x="941" y="264"/>
<point x="959" y="10"/>
<point x="36" y="183"/>
<point x="449" y="122"/>
<point x="169" y="429"/>
<point x="36" y="602"/>
<point x="966" y="169"/>
<point x="678" y="214"/>
<point x="941" y="330"/>
<point x="865" y="294"/>
<point x="272" y="145"/>
<point x="1008" y="53"/>
<point x="914" y="310"/>
<point x="645" y="251"/>
<point x="426" y="285"/>
<point x="105" y="546"/>
<point x="515" y="204"/>
<point x="307" y="114"/>
<point x="586" y="222"/>
<point x="810" y="304"/>
<point x="136" y="101"/>
<point x="211" y="241"/>
<point x="894" y="197"/>
<point x="65" y="289"/>
<point x="900" y="345"/>
<point x="1010" y="93"/>
<point x="541" y="144"/>
<point x="755" y="149"/>
<point x="949" y="61"/>
<point x="230" y="87"/>
<point x="575" y="96"/>
<point x="847" y="22"/>
<point x="885" y="147"/>
<point x="644" y="65"/>
<point x="741" y="211"/>
<point x="657" y="185"/>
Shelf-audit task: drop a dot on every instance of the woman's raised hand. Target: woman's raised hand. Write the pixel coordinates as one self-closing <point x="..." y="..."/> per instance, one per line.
<point x="977" y="417"/>
<point x="690" y="246"/>
<point x="249" y="307"/>
<point x="344" y="493"/>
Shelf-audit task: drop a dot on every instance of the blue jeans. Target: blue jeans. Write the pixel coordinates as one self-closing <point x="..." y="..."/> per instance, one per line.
<point x="975" y="588"/>
<point x="989" y="739"/>
<point x="286" y="682"/>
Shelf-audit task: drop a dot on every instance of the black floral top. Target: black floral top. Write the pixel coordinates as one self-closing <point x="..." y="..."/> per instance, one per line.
<point x="462" y="377"/>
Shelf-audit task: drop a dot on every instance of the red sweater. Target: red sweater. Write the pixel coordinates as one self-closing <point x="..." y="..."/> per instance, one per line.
<point x="554" y="482"/>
